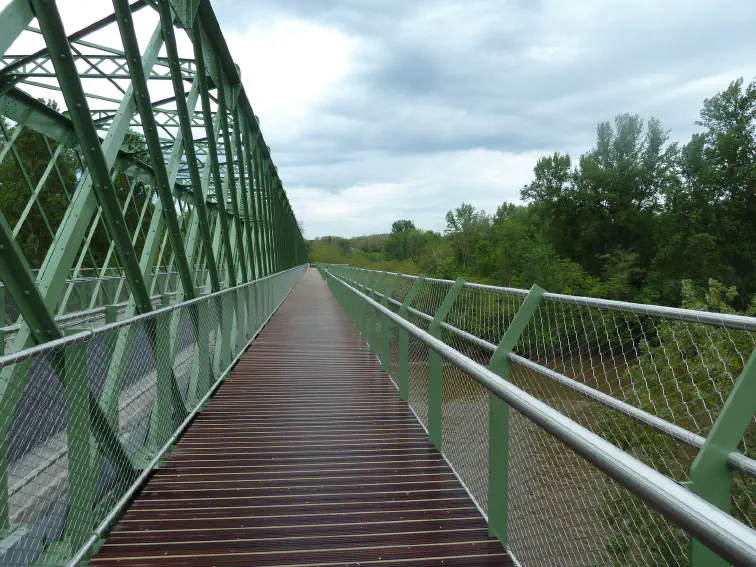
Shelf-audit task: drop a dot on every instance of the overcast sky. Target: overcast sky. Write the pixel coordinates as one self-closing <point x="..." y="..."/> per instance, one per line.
<point x="377" y="110"/>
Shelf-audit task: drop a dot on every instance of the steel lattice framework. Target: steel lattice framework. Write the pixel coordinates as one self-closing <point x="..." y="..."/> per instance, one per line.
<point x="154" y="151"/>
<point x="136" y="191"/>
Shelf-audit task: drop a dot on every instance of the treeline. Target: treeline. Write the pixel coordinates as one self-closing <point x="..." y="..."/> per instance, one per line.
<point x="34" y="195"/>
<point x="631" y="219"/>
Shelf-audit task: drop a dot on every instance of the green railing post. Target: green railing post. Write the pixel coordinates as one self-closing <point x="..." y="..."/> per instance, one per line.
<point x="368" y="323"/>
<point x="162" y="414"/>
<point x="81" y="478"/>
<point x="404" y="339"/>
<point x="201" y="375"/>
<point x="251" y="311"/>
<point x="2" y="320"/>
<point x="377" y="286"/>
<point x="434" y="365"/>
<point x="386" y="326"/>
<point x="498" y="421"/>
<point x="710" y="474"/>
<point x="111" y="314"/>
<point x="355" y="306"/>
<point x="359" y="279"/>
<point x="227" y="322"/>
<point x="358" y="319"/>
<point x="241" y="321"/>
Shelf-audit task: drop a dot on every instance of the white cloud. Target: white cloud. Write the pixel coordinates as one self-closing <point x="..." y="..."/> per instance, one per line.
<point x="379" y="110"/>
<point x="287" y="67"/>
<point x="429" y="187"/>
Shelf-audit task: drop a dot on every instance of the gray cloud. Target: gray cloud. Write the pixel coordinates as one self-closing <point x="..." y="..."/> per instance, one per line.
<point x="436" y="77"/>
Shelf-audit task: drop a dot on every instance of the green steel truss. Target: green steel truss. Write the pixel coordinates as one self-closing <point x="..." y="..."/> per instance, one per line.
<point x="133" y="174"/>
<point x="152" y="161"/>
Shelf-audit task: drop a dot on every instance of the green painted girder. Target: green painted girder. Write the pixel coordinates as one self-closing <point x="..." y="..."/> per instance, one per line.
<point x="142" y="93"/>
<point x="267" y="224"/>
<point x="185" y="124"/>
<point x="254" y="198"/>
<point x="230" y="175"/>
<point x="52" y="28"/>
<point x="212" y="147"/>
<point x="117" y="68"/>
<point x="261" y="220"/>
<point x="20" y="283"/>
<point x="76" y="36"/>
<point x="53" y="31"/>
<point x="243" y="192"/>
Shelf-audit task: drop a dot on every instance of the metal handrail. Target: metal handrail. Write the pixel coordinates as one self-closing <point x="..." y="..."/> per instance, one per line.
<point x="102" y="528"/>
<point x="716" y="529"/>
<point x="86" y="314"/>
<point x="21" y="355"/>
<point x="726" y="320"/>
<point x="737" y="460"/>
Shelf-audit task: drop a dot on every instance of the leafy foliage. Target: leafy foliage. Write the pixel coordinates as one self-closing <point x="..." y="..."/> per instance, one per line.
<point x="629" y="220"/>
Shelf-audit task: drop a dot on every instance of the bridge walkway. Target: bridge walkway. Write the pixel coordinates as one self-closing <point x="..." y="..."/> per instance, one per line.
<point x="305" y="456"/>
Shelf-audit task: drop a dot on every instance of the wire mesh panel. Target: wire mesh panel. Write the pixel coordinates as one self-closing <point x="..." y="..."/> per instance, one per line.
<point x="556" y="495"/>
<point x="464" y="430"/>
<point x="81" y="419"/>
<point x="651" y="381"/>
<point x="418" y="379"/>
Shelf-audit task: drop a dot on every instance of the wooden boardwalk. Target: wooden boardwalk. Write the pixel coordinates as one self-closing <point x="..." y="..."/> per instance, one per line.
<point x="305" y="456"/>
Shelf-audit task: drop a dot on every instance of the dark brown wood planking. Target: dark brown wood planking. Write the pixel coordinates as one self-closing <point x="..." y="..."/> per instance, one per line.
<point x="304" y="457"/>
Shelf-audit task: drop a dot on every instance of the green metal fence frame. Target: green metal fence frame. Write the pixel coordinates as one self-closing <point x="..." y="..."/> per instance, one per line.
<point x="711" y="472"/>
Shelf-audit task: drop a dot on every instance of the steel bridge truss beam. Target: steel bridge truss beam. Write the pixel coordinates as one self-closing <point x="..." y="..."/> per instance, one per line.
<point x="142" y="193"/>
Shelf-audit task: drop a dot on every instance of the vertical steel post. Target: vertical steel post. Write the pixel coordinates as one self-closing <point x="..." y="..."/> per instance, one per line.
<point x="404" y="339"/>
<point x="386" y="326"/>
<point x="262" y="216"/>
<point x="369" y="322"/>
<point x="265" y="196"/>
<point x="81" y="477"/>
<point x="498" y="426"/>
<point x="377" y="285"/>
<point x="230" y="174"/>
<point x="162" y="414"/>
<point x="243" y="191"/>
<point x="212" y="147"/>
<point x="241" y="320"/>
<point x="111" y="314"/>
<point x="2" y="320"/>
<point x="253" y="194"/>
<point x="435" y="365"/>
<point x="359" y="318"/>
<point x="201" y="378"/>
<point x="710" y="474"/>
<point x="251" y="311"/>
<point x="169" y="38"/>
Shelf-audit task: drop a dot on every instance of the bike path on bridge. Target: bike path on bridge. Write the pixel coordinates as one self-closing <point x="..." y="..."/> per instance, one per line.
<point x="305" y="456"/>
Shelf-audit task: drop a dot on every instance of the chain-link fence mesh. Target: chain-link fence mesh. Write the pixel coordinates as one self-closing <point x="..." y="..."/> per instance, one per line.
<point x="586" y="358"/>
<point x="82" y="304"/>
<point x="79" y="421"/>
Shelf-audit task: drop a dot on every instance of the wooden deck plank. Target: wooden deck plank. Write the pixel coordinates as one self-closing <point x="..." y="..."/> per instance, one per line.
<point x="305" y="456"/>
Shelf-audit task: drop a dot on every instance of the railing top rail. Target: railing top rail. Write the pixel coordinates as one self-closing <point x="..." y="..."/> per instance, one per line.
<point x="22" y="355"/>
<point x="735" y="459"/>
<point x="726" y="320"/>
<point x="732" y="539"/>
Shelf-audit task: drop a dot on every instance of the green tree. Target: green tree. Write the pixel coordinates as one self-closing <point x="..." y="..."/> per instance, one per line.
<point x="34" y="152"/>
<point x="466" y="227"/>
<point x="708" y="229"/>
<point x="402" y="242"/>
